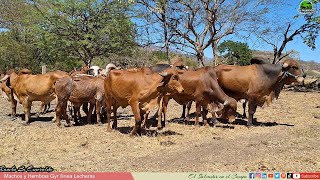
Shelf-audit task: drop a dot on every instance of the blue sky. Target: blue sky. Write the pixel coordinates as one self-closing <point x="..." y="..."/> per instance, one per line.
<point x="283" y="13"/>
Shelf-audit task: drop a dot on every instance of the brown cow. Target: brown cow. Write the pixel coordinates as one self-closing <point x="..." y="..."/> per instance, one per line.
<point x="84" y="70"/>
<point x="29" y="88"/>
<point x="258" y="83"/>
<point x="79" y="90"/>
<point x="142" y="89"/>
<point x="202" y="87"/>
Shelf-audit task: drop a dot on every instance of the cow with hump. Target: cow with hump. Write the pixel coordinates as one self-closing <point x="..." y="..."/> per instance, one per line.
<point x="258" y="83"/>
<point x="29" y="88"/>
<point x="140" y="88"/>
<point x="201" y="86"/>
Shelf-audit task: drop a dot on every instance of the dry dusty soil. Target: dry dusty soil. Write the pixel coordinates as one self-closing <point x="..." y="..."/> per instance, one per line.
<point x="287" y="139"/>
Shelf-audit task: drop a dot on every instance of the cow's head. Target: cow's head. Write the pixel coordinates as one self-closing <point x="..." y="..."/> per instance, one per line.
<point x="8" y="77"/>
<point x="171" y="82"/>
<point x="230" y="109"/>
<point x="94" y="70"/>
<point x="293" y="71"/>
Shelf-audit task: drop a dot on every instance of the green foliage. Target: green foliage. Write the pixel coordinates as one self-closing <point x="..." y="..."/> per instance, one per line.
<point x="88" y="28"/>
<point x="160" y="55"/>
<point x="235" y="52"/>
<point x="63" y="33"/>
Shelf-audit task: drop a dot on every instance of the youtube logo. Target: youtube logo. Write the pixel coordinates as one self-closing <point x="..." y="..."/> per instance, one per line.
<point x="296" y="176"/>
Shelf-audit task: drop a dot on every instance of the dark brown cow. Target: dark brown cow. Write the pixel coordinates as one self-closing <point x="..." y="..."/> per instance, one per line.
<point x="202" y="87"/>
<point x="29" y="88"/>
<point x="142" y="89"/>
<point x="258" y="83"/>
<point x="79" y="90"/>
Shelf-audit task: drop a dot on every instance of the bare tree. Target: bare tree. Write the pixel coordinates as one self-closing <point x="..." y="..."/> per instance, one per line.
<point x="203" y="23"/>
<point x="189" y="27"/>
<point x="287" y="34"/>
<point x="157" y="13"/>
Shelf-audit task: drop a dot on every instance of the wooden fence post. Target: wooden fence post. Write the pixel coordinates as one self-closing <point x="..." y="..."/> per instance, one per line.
<point x="43" y="69"/>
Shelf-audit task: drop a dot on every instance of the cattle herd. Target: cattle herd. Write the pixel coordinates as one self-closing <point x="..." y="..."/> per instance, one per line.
<point x="213" y="89"/>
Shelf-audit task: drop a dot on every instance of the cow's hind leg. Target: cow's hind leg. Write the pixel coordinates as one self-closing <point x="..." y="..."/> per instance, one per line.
<point x="198" y="109"/>
<point x="115" y="121"/>
<point x="26" y="108"/>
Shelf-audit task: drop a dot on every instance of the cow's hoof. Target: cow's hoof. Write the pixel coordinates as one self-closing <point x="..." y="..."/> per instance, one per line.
<point x="159" y="128"/>
<point x="25" y="124"/>
<point x="14" y="118"/>
<point x="249" y="125"/>
<point x="99" y="124"/>
<point x="109" y="129"/>
<point x="67" y="125"/>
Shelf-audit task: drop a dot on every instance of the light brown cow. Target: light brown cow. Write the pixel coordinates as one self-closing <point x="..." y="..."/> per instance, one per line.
<point x="29" y="88"/>
<point x="258" y="83"/>
<point x="142" y="89"/>
<point x="79" y="90"/>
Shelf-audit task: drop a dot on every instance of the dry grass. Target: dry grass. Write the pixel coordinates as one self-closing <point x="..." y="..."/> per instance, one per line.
<point x="288" y="141"/>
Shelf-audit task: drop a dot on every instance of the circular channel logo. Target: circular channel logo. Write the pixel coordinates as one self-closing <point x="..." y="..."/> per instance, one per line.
<point x="306" y="7"/>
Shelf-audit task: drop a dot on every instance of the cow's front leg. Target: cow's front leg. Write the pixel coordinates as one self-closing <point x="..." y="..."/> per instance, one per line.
<point x="252" y="110"/>
<point x="90" y="113"/>
<point x="204" y="116"/>
<point x="198" y="109"/>
<point x="98" y="108"/>
<point x="13" y="108"/>
<point x="136" y="111"/>
<point x="108" y="106"/>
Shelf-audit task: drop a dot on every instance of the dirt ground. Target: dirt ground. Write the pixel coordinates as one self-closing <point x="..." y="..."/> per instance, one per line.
<point x="287" y="140"/>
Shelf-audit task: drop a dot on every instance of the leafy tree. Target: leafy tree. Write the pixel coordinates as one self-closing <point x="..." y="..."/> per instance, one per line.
<point x="88" y="28"/>
<point x="235" y="52"/>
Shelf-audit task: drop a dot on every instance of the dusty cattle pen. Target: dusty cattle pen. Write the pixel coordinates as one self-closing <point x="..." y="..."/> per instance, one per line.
<point x="287" y="140"/>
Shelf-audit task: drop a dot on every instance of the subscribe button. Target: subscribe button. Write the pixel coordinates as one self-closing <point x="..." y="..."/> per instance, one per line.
<point x="315" y="175"/>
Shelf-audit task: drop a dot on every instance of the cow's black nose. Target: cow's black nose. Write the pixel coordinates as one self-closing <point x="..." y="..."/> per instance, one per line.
<point x="304" y="76"/>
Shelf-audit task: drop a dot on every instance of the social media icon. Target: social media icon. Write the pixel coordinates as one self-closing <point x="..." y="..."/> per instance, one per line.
<point x="277" y="175"/>
<point x="289" y="175"/>
<point x="270" y="175"/>
<point x="258" y="175"/>
<point x="251" y="175"/>
<point x="296" y="176"/>
<point x="283" y="175"/>
<point x="264" y="176"/>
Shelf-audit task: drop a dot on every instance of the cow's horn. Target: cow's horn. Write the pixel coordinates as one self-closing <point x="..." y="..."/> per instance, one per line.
<point x="164" y="74"/>
<point x="187" y="67"/>
<point x="285" y="65"/>
<point x="5" y="78"/>
<point x="226" y="103"/>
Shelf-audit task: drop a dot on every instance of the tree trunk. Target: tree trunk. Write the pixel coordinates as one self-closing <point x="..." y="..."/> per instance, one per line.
<point x="165" y="33"/>
<point x="200" y="56"/>
<point x="215" y="52"/>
